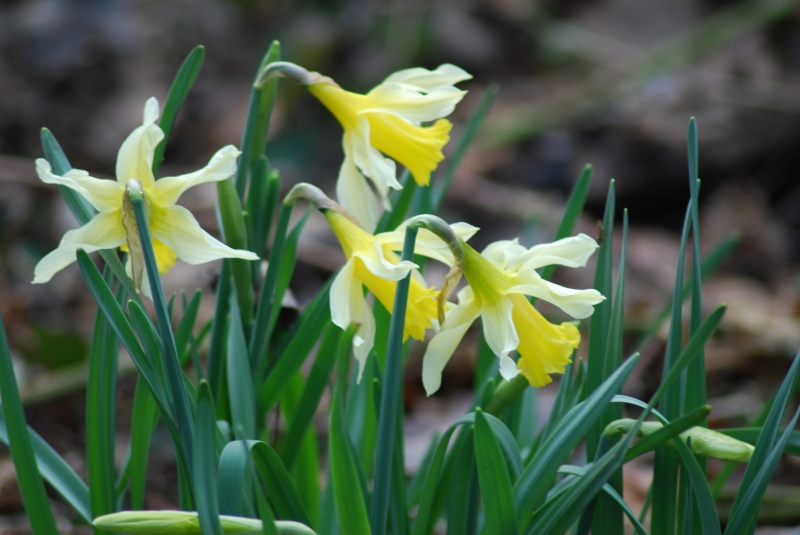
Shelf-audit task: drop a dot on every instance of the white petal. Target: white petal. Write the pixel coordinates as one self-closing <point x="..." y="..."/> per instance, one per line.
<point x="571" y="252"/>
<point x="383" y="268"/>
<point x="222" y="165"/>
<point x="102" y="194"/>
<point x="508" y="368"/>
<point x="442" y="346"/>
<point x="498" y="327"/>
<point x="135" y="158"/>
<point x="368" y="159"/>
<point x="503" y="252"/>
<point x="576" y="303"/>
<point x="354" y="193"/>
<point x="176" y="227"/>
<point x="425" y="80"/>
<point x="348" y="306"/>
<point x="409" y="104"/>
<point x="104" y="231"/>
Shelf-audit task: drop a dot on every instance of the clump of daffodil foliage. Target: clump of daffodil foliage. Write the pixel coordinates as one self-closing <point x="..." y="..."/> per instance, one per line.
<point x="214" y="386"/>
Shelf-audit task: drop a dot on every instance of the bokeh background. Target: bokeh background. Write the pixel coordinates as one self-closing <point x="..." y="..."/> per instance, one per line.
<point x="607" y="82"/>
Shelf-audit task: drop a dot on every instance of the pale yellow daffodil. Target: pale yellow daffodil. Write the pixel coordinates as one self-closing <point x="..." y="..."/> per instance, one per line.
<point x="175" y="231"/>
<point x="385" y="121"/>
<point x="500" y="279"/>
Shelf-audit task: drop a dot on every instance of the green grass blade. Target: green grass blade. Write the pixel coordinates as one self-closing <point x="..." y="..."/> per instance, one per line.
<point x="315" y="384"/>
<point x="183" y="82"/>
<point x="390" y="396"/>
<point x="462" y="511"/>
<point x="177" y="391"/>
<point x="100" y="415"/>
<point x="183" y="334"/>
<point x="282" y="493"/>
<point x="240" y="380"/>
<point x="258" y="114"/>
<point x="235" y="236"/>
<point x="261" y="199"/>
<point x="471" y="129"/>
<point x="285" y="271"/>
<point x="143" y="420"/>
<point x="205" y="462"/>
<point x="56" y="471"/>
<point x="29" y="479"/>
<point x="495" y="483"/>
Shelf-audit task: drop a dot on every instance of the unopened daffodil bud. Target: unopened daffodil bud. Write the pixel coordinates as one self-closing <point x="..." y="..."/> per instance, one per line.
<point x="187" y="523"/>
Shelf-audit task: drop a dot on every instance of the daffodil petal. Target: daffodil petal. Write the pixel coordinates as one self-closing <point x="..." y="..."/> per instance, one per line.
<point x="425" y="80"/>
<point x="349" y="306"/>
<point x="104" y="231"/>
<point x="222" y="165"/>
<point x="102" y="194"/>
<point x="354" y="193"/>
<point x="498" y="327"/>
<point x="443" y="345"/>
<point x="135" y="158"/>
<point x="502" y="253"/>
<point x="411" y="105"/>
<point x="572" y="252"/>
<point x="380" y="266"/>
<point x="177" y="228"/>
<point x="368" y="159"/>
<point x="577" y="303"/>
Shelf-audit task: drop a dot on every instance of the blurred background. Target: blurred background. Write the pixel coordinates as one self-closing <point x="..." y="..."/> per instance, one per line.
<point x="607" y="82"/>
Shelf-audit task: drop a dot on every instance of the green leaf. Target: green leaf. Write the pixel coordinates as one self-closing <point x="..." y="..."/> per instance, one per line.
<point x="668" y="432"/>
<point x="30" y="482"/>
<point x="205" y="462"/>
<point x="219" y="336"/>
<point x="143" y="420"/>
<point x="55" y="470"/>
<point x="315" y="384"/>
<point x="285" y="271"/>
<point x="262" y="196"/>
<point x="258" y="114"/>
<point x="184" y="333"/>
<point x="495" y="484"/>
<point x="235" y="235"/>
<point x="183" y="82"/>
<point x="100" y="415"/>
<point x="240" y="380"/>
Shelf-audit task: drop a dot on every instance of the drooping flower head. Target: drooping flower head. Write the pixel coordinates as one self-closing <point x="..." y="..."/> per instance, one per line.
<point x="175" y="231"/>
<point x="386" y="121"/>
<point x="500" y="279"/>
<point x="371" y="263"/>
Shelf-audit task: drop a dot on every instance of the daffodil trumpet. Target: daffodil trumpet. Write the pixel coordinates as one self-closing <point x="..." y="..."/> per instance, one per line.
<point x="500" y="279"/>
<point x="383" y="126"/>
<point x="175" y="231"/>
<point x="372" y="263"/>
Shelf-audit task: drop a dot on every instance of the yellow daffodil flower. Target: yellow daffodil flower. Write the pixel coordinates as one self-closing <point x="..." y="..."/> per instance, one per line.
<point x="499" y="279"/>
<point x="175" y="231"/>
<point x="386" y="121"/>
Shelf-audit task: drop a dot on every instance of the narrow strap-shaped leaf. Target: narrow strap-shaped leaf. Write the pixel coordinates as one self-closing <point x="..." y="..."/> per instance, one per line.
<point x="55" y="470"/>
<point x="143" y="420"/>
<point x="296" y="346"/>
<point x="261" y="198"/>
<point x="417" y="482"/>
<point x="390" y="395"/>
<point x="186" y="325"/>
<point x="315" y="384"/>
<point x="216" y="348"/>
<point x="286" y="270"/>
<point x="205" y="462"/>
<point x="100" y="414"/>
<point x="235" y="235"/>
<point x="183" y="82"/>
<point x="177" y="391"/>
<point x="498" y="499"/>
<point x="464" y="489"/>
<point x="30" y="482"/>
<point x="240" y="380"/>
<point x="466" y="139"/>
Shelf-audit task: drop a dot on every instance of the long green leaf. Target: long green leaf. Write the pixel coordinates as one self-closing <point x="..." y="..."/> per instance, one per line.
<point x="240" y="380"/>
<point x="183" y="334"/>
<point x="30" y="482"/>
<point x="219" y="338"/>
<point x="494" y="480"/>
<point x="235" y="235"/>
<point x="205" y="462"/>
<point x="143" y="420"/>
<point x="286" y="270"/>
<point x="183" y="82"/>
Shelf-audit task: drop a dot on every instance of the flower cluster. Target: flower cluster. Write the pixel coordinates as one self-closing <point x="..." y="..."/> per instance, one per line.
<point x="388" y="121"/>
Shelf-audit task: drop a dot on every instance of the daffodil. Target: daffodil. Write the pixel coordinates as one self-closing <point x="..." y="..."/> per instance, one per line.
<point x="500" y="279"/>
<point x="175" y="231"/>
<point x="372" y="263"/>
<point x="386" y="121"/>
